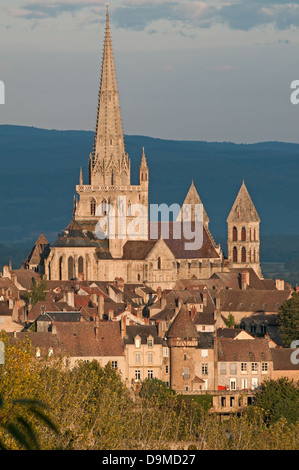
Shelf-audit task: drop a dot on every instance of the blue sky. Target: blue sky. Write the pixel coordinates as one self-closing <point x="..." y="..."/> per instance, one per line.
<point x="195" y="70"/>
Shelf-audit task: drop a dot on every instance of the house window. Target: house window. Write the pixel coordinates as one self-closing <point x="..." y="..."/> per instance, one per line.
<point x="186" y="373"/>
<point x="254" y="367"/>
<point x="204" y="353"/>
<point x="137" y="358"/>
<point x="150" y="343"/>
<point x="233" y="368"/>
<point x="114" y="364"/>
<point x="222" y="368"/>
<point x="137" y="374"/>
<point x="264" y="366"/>
<point x="232" y="384"/>
<point x="137" y="343"/>
<point x="93" y="207"/>
<point x="254" y="383"/>
<point x="185" y="357"/>
<point x="204" y="369"/>
<point x="166" y="370"/>
<point x="150" y="357"/>
<point x="37" y="352"/>
<point x="243" y="367"/>
<point x="165" y="352"/>
<point x="244" y="384"/>
<point x="150" y="374"/>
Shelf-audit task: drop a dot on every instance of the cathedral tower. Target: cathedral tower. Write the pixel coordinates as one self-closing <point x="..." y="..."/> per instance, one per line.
<point x="109" y="195"/>
<point x="244" y="233"/>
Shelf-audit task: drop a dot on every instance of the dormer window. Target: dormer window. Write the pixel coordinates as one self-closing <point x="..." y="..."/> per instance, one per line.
<point x="150" y="342"/>
<point x="137" y="342"/>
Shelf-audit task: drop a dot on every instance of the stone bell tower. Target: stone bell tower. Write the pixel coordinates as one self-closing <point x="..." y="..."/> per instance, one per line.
<point x="244" y="233"/>
<point x="109" y="194"/>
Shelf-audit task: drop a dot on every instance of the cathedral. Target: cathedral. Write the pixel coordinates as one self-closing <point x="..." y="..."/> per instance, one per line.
<point x="106" y="205"/>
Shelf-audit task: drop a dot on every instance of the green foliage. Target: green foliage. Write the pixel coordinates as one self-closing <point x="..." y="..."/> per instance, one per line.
<point x="288" y="319"/>
<point x="94" y="410"/>
<point x="279" y="399"/>
<point x="205" y="401"/>
<point x="156" y="389"/>
<point x="37" y="292"/>
<point x="230" y="322"/>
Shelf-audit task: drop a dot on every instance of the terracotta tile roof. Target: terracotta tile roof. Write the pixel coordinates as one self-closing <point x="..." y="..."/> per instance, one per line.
<point x="39" y="252"/>
<point x="4" y="309"/>
<point x="282" y="359"/>
<point x="79" y="339"/>
<point x="182" y="326"/>
<point x="252" y="300"/>
<point x="25" y="277"/>
<point x="243" y="350"/>
<point x="144" y="331"/>
<point x="47" y="306"/>
<point x="178" y="246"/>
<point x="137" y="249"/>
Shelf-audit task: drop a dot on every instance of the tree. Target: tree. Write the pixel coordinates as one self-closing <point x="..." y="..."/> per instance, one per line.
<point x="279" y="399"/>
<point x="288" y="320"/>
<point x="230" y="322"/>
<point x="37" y="292"/>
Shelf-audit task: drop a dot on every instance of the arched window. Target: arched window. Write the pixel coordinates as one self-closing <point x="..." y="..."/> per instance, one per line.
<point x="112" y="178"/>
<point x="243" y="254"/>
<point x="235" y="254"/>
<point x="235" y="234"/>
<point x="70" y="268"/>
<point x="49" y="272"/>
<point x="60" y="268"/>
<point x="243" y="234"/>
<point x="80" y="265"/>
<point x="93" y="205"/>
<point x="159" y="263"/>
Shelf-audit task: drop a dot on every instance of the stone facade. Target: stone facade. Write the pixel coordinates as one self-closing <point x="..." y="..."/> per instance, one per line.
<point x="104" y="240"/>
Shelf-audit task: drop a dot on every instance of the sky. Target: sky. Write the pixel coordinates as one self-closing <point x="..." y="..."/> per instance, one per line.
<point x="209" y="70"/>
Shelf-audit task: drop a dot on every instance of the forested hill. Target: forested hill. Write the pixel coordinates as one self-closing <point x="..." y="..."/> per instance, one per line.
<point x="40" y="168"/>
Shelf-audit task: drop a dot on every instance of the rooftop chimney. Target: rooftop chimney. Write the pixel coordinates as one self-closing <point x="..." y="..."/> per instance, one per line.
<point x="245" y="279"/>
<point x="205" y="298"/>
<point x="279" y="284"/>
<point x="101" y="307"/>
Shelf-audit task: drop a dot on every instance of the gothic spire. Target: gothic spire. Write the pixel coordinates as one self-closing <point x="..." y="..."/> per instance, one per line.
<point x="109" y="150"/>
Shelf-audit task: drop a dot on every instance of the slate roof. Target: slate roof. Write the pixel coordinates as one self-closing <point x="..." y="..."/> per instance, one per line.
<point x="252" y="300"/>
<point x="83" y="234"/>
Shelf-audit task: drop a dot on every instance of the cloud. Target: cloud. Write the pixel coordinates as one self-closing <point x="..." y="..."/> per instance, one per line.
<point x="132" y="15"/>
<point x="222" y="68"/>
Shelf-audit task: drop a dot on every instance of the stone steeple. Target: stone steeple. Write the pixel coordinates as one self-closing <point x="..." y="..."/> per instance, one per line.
<point x="244" y="233"/>
<point x="109" y="163"/>
<point x="243" y="209"/>
<point x="189" y="212"/>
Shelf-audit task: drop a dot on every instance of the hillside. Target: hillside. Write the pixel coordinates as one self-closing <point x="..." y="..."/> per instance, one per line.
<point x="40" y="168"/>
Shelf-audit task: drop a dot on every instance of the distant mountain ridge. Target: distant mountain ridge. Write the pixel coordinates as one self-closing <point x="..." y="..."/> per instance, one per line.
<point x="40" y="168"/>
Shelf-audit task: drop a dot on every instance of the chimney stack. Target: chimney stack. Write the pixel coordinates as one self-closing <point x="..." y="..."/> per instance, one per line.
<point x="205" y="298"/>
<point x="123" y="326"/>
<point x="101" y="307"/>
<point x="245" y="279"/>
<point x="279" y="284"/>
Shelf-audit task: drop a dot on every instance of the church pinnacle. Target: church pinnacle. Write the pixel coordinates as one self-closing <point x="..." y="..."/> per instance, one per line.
<point x="109" y="163"/>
